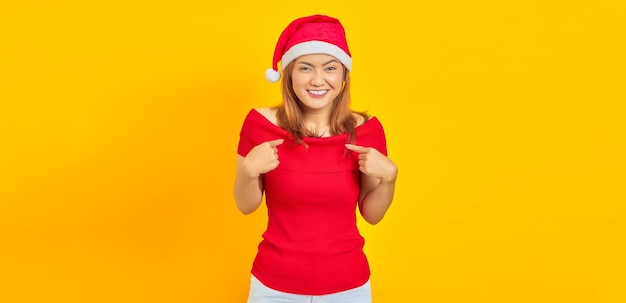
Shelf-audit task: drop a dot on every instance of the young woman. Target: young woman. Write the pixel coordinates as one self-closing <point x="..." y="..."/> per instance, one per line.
<point x="315" y="160"/>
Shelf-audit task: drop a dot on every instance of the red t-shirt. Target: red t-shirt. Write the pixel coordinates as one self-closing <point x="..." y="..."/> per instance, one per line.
<point x="311" y="245"/>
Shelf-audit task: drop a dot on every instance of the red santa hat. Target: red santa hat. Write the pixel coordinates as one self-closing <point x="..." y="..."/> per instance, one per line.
<point x="317" y="34"/>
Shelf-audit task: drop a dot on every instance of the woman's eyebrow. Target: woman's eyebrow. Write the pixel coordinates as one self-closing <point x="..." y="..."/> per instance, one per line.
<point x="310" y="64"/>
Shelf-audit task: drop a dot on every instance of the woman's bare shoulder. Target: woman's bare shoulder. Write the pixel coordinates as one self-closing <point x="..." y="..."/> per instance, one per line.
<point x="268" y="112"/>
<point x="360" y="118"/>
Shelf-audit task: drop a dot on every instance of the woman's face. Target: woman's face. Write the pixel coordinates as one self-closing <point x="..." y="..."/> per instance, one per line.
<point x="317" y="81"/>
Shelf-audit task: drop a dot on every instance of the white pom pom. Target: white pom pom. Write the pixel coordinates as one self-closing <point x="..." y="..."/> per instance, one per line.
<point x="272" y="75"/>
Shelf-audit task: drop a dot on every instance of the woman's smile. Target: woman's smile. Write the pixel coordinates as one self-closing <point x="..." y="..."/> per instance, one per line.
<point x="317" y="93"/>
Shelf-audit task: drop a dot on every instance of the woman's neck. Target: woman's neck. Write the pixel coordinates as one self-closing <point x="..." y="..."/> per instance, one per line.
<point x="317" y="123"/>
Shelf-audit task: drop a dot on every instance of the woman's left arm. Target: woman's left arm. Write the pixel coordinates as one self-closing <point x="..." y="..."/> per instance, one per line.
<point x="378" y="182"/>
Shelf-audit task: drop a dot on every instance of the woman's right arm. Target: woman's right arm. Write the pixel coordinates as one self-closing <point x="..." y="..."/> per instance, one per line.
<point x="248" y="189"/>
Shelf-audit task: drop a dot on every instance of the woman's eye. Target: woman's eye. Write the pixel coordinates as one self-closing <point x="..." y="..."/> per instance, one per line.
<point x="304" y="68"/>
<point x="331" y="68"/>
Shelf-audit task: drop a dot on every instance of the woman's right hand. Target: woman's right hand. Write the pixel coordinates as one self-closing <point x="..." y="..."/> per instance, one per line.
<point x="262" y="158"/>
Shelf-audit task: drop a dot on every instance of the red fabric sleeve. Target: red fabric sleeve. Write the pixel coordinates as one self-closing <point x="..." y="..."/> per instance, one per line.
<point x="255" y="130"/>
<point x="246" y="135"/>
<point x="372" y="134"/>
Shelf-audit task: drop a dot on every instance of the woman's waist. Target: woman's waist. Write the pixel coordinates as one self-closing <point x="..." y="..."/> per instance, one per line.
<point x="311" y="246"/>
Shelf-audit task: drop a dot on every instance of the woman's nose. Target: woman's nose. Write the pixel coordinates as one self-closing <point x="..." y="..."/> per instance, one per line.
<point x="318" y="79"/>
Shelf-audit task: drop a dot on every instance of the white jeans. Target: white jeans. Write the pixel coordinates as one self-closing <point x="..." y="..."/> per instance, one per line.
<point x="260" y="293"/>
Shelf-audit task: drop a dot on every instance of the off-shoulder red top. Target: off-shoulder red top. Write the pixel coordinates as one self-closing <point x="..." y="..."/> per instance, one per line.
<point x="312" y="244"/>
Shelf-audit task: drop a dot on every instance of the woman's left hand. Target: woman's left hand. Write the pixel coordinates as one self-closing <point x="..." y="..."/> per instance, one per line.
<point x="375" y="164"/>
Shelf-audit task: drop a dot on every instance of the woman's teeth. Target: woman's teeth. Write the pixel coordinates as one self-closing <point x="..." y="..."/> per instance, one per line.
<point x="318" y="92"/>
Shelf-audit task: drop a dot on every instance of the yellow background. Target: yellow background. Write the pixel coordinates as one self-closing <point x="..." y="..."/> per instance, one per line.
<point x="119" y="123"/>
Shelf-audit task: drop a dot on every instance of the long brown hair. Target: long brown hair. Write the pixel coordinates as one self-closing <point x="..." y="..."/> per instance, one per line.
<point x="289" y="114"/>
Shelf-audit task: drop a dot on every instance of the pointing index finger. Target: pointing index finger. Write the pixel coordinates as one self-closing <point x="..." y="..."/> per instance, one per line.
<point x="357" y="148"/>
<point x="276" y="142"/>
